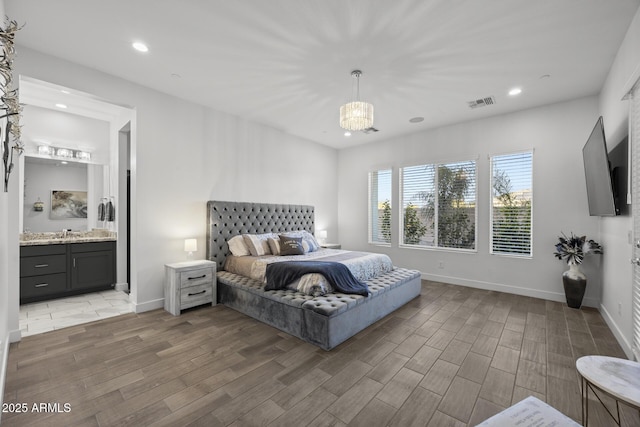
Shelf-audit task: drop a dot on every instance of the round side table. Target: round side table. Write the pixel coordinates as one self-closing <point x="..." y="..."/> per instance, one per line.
<point x="617" y="378"/>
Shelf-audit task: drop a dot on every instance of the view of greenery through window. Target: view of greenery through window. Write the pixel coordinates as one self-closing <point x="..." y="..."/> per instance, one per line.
<point x="439" y="205"/>
<point x="511" y="179"/>
<point x="380" y="206"/>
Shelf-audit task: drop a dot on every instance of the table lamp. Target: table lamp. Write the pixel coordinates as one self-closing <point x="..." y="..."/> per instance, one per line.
<point x="191" y="246"/>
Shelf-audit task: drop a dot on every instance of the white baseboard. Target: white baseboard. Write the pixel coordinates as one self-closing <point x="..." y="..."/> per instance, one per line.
<point x="613" y="326"/>
<point x="121" y="287"/>
<point x="15" y="336"/>
<point x="490" y="286"/>
<point x="148" y="305"/>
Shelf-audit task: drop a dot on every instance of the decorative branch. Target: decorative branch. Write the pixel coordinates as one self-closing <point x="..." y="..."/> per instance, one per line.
<point x="10" y="101"/>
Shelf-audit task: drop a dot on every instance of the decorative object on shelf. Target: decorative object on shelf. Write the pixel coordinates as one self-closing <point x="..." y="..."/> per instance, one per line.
<point x="38" y="206"/>
<point x="572" y="250"/>
<point x="356" y="115"/>
<point x="68" y="204"/>
<point x="10" y="135"/>
<point x="190" y="246"/>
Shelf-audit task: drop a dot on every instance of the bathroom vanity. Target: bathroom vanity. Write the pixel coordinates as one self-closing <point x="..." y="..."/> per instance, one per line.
<point x="53" y="265"/>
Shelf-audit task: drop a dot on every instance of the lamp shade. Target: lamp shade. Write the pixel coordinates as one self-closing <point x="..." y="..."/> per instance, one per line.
<point x="322" y="234"/>
<point x="190" y="245"/>
<point x="356" y="115"/>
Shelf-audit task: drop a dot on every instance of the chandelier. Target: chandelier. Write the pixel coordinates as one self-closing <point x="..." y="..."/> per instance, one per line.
<point x="356" y="115"/>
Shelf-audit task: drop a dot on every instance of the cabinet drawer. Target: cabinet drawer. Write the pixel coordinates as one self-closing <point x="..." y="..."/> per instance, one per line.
<point x="196" y="295"/>
<point x="39" y="250"/>
<point x="196" y="277"/>
<point x="41" y="265"/>
<point x="42" y="285"/>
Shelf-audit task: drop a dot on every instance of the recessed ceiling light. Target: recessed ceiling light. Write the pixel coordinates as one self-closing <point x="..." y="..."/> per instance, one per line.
<point x="515" y="91"/>
<point x="61" y="106"/>
<point x="66" y="92"/>
<point x="416" y="119"/>
<point x="347" y="133"/>
<point x="140" y="47"/>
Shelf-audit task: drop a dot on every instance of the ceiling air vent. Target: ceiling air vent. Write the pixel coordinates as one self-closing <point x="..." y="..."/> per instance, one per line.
<point x="370" y="130"/>
<point x="482" y="102"/>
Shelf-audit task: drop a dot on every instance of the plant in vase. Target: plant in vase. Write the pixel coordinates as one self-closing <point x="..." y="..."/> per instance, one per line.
<point x="572" y="250"/>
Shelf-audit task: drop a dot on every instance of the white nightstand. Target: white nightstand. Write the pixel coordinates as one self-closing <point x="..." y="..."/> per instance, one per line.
<point x="331" y="245"/>
<point x="188" y="284"/>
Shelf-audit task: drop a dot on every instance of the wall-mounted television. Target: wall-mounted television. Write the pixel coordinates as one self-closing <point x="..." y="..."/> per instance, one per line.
<point x="597" y="170"/>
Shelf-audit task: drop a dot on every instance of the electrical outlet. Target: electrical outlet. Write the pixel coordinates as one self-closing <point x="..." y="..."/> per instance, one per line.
<point x="619" y="309"/>
<point x="440" y="264"/>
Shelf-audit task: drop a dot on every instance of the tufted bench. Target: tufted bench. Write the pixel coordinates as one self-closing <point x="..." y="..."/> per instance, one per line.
<point x="327" y="320"/>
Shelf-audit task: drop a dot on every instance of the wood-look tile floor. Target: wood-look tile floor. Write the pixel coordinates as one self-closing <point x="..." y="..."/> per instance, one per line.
<point x="452" y="357"/>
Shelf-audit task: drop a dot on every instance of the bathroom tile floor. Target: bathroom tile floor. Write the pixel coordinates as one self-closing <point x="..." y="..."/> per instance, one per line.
<point x="44" y="316"/>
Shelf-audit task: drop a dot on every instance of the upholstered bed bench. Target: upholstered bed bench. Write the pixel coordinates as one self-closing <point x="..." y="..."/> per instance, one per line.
<point x="327" y="320"/>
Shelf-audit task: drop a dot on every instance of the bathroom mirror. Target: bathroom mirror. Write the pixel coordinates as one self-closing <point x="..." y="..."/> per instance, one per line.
<point x="61" y="194"/>
<point x="66" y="165"/>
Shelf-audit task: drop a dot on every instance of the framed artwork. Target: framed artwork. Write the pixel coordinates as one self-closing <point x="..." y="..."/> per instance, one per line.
<point x="67" y="204"/>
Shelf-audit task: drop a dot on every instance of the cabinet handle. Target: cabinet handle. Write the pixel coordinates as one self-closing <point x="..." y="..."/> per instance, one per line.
<point x="197" y="293"/>
<point x="196" y="278"/>
<point x="41" y="285"/>
<point x="41" y="265"/>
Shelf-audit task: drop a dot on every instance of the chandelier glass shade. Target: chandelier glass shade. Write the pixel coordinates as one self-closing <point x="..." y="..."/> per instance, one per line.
<point x="356" y="115"/>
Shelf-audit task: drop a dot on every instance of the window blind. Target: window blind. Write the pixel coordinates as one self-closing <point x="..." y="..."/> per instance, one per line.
<point x="438" y="205"/>
<point x="380" y="206"/>
<point x="511" y="203"/>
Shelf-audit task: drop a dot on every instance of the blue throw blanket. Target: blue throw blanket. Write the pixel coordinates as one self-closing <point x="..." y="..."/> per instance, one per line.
<point x="280" y="274"/>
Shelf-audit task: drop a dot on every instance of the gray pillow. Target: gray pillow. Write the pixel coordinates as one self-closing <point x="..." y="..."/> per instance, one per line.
<point x="291" y="245"/>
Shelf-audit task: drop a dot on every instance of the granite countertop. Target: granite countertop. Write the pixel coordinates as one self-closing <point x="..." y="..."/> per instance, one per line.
<point x="58" y="238"/>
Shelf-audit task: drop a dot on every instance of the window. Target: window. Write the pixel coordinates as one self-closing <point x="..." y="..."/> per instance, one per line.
<point x="380" y="206"/>
<point x="439" y="205"/>
<point x="511" y="198"/>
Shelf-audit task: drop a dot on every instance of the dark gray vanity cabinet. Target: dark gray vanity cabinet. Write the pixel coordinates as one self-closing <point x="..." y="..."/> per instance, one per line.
<point x="58" y="270"/>
<point x="93" y="265"/>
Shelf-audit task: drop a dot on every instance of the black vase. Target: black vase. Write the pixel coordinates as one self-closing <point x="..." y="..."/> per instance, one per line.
<point x="575" y="284"/>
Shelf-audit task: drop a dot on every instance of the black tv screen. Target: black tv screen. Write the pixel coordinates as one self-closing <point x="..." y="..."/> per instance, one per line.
<point x="597" y="170"/>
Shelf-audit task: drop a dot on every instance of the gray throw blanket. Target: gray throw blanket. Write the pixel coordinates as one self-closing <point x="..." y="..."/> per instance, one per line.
<point x="280" y="274"/>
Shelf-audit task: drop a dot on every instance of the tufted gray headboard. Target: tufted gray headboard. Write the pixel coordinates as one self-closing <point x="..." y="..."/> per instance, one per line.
<point x="228" y="219"/>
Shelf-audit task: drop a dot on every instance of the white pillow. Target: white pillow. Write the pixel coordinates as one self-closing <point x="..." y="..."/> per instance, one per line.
<point x="258" y="244"/>
<point x="274" y="245"/>
<point x="237" y="246"/>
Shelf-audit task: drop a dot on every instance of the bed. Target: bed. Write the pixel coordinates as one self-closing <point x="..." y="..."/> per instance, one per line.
<point x="324" y="320"/>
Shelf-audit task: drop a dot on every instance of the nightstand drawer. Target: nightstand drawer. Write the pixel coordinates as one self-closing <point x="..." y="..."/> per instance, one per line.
<point x="196" y="295"/>
<point x="196" y="277"/>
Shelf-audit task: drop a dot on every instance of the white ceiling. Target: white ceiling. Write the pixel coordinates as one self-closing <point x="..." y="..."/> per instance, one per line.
<point x="287" y="63"/>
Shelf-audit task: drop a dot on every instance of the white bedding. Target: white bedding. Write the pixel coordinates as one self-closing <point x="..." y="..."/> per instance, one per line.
<point x="363" y="266"/>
